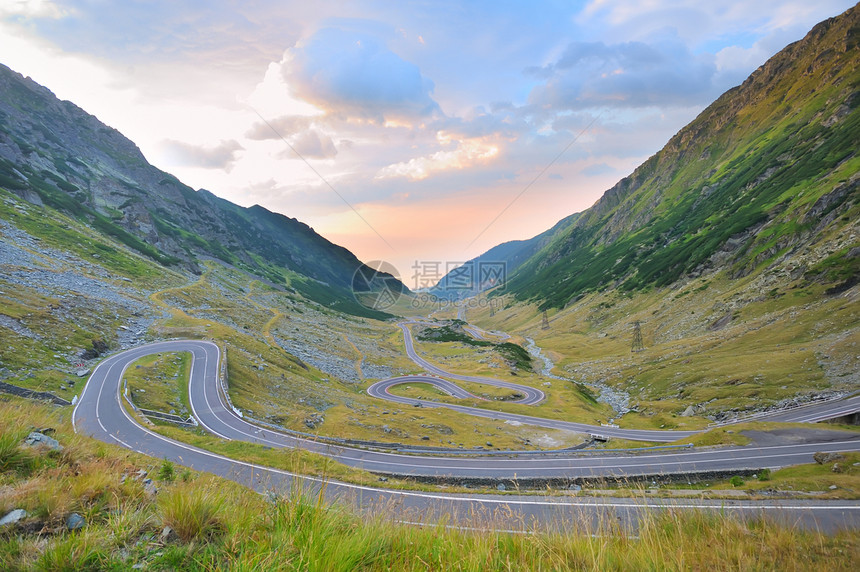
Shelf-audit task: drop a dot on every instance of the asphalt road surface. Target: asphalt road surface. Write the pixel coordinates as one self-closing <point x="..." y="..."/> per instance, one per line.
<point x="530" y="395"/>
<point x="100" y="414"/>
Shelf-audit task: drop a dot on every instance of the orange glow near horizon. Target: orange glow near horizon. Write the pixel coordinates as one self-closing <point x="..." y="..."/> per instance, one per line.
<point x="442" y="229"/>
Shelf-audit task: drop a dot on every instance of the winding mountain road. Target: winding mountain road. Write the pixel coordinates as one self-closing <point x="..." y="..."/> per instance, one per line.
<point x="100" y="413"/>
<point x="531" y="396"/>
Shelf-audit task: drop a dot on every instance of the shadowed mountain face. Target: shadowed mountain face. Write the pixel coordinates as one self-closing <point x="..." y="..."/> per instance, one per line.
<point x="53" y="153"/>
<point x="765" y="178"/>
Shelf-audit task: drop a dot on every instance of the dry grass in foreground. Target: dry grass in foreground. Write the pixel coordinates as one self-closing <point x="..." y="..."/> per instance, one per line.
<point x="217" y="524"/>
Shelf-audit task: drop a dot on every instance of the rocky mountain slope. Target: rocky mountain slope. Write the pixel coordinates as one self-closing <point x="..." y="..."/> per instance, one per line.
<point x="53" y="153"/>
<point x="720" y="278"/>
<point x="766" y="178"/>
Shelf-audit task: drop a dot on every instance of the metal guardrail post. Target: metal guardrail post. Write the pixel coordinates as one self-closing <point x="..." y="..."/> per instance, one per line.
<point x="223" y="379"/>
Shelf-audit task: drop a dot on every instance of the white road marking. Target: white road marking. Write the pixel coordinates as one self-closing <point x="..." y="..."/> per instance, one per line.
<point x="510" y="501"/>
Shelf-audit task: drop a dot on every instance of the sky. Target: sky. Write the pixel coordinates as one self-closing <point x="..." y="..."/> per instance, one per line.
<point x="411" y="131"/>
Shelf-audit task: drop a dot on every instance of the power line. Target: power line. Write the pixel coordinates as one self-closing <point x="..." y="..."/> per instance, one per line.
<point x="538" y="176"/>
<point x="323" y="179"/>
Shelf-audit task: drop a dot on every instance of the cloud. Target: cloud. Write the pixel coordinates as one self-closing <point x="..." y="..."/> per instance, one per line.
<point x="274" y="129"/>
<point x="700" y="22"/>
<point x="299" y="132"/>
<point x="349" y="85"/>
<point x="32" y="9"/>
<point x="355" y="75"/>
<point x="735" y="63"/>
<point x="463" y="153"/>
<point x="507" y="123"/>
<point x="221" y="156"/>
<point x="630" y="75"/>
<point x="311" y="145"/>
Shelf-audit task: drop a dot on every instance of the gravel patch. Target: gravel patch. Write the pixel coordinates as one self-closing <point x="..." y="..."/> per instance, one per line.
<point x="330" y="364"/>
<point x="18" y="328"/>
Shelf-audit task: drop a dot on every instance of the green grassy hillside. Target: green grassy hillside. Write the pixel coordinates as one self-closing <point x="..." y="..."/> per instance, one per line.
<point x="54" y="154"/>
<point x="763" y="175"/>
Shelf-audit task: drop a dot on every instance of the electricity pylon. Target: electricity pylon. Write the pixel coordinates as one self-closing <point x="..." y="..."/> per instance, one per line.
<point x="637" y="345"/>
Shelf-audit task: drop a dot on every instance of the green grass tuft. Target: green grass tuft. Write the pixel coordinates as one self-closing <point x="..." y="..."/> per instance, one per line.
<point x="193" y="512"/>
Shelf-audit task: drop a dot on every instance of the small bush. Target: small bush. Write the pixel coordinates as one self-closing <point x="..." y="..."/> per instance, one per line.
<point x="167" y="472"/>
<point x="736" y="481"/>
<point x="764" y="475"/>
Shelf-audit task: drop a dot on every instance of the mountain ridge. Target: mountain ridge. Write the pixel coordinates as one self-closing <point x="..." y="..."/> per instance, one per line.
<point x="54" y="153"/>
<point x="705" y="199"/>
